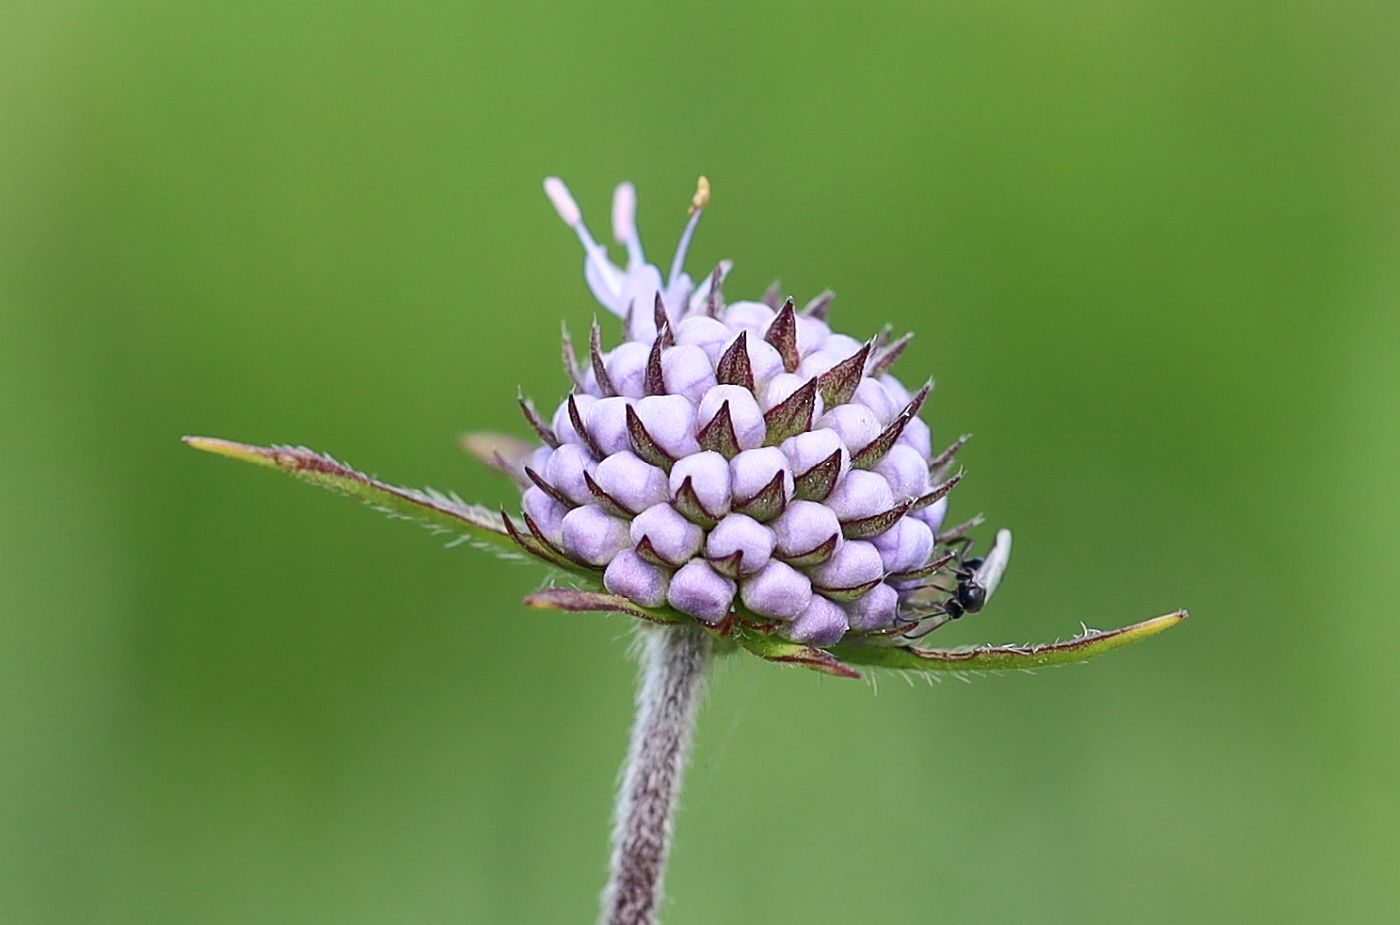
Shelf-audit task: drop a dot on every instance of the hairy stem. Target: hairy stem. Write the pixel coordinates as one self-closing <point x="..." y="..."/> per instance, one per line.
<point x="674" y="660"/>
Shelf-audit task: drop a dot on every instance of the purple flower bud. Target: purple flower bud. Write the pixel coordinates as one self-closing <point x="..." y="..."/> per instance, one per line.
<point x="876" y="609"/>
<point x="627" y="368"/>
<point x="818" y="362"/>
<point x="636" y="579"/>
<point x="764" y="359"/>
<point x="776" y="590"/>
<point x="811" y="334"/>
<point x="606" y="421"/>
<point x="565" y="470"/>
<point x="592" y="535"/>
<point x="739" y="533"/>
<point x="698" y="590"/>
<point x="905" y="546"/>
<point x="547" y="513"/>
<point x="709" y="334"/>
<point x="821" y="624"/>
<point x="686" y="370"/>
<point x="816" y="446"/>
<point x="873" y="396"/>
<point x="916" y="434"/>
<point x="780" y="389"/>
<point x="905" y="471"/>
<point x="708" y="472"/>
<point x="896" y="390"/>
<point x="861" y="493"/>
<point x="752" y="470"/>
<point x="670" y="420"/>
<point x="934" y="514"/>
<point x="744" y="414"/>
<point x="856" y="563"/>
<point x="631" y="481"/>
<point x="562" y="424"/>
<point x="539" y="459"/>
<point x="672" y="537"/>
<point x="856" y="425"/>
<point x="804" y="526"/>
<point x="842" y="345"/>
<point x="753" y="317"/>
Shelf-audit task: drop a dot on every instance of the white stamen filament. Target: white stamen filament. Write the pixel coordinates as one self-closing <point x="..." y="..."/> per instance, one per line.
<point x="569" y="211"/>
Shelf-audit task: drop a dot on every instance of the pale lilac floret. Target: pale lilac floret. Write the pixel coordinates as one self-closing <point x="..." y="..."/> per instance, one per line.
<point x="753" y="317"/>
<point x="804" y="526"/>
<point x="856" y="425"/>
<point x="876" y="609"/>
<point x="818" y="362"/>
<point x="934" y="514"/>
<point x="739" y="533"/>
<point x="811" y="334"/>
<point x="627" y="368"/>
<point x="674" y="538"/>
<point x="708" y="473"/>
<point x="860" y="494"/>
<point x="905" y="546"/>
<point x="563" y="425"/>
<point x="752" y="470"/>
<point x="872" y="395"/>
<point x="631" y="481"/>
<point x="843" y="345"/>
<point x="698" y="590"/>
<point x="566" y="469"/>
<point x="636" y="579"/>
<point x="744" y="414"/>
<point x="709" y="334"/>
<point x="916" y="434"/>
<point x="547" y="513"/>
<point x="670" y="421"/>
<point x="809" y="449"/>
<point x="905" y="471"/>
<point x="855" y="564"/>
<point x="776" y="590"/>
<point x="606" y="422"/>
<point x="686" y="370"/>
<point x="594" y="536"/>
<point x="821" y="624"/>
<point x="897" y="392"/>
<point x="764" y="359"/>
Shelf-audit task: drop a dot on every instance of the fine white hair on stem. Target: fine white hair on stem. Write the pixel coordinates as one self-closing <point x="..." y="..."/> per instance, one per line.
<point x="674" y="661"/>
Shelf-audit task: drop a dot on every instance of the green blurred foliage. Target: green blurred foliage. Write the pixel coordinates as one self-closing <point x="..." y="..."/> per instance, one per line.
<point x="1150" y="253"/>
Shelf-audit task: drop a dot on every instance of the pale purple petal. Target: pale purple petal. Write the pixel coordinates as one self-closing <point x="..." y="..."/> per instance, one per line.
<point x="934" y="514"/>
<point x="815" y="446"/>
<point x="708" y="472"/>
<point x="905" y="546"/>
<point x="547" y="513"/>
<point x="636" y="579"/>
<point x="855" y="563"/>
<point x="606" y="421"/>
<point x="873" y="395"/>
<point x="752" y="470"/>
<point x="632" y="481"/>
<point x="843" y="345"/>
<point x="627" y="368"/>
<point x="592" y="535"/>
<point x="686" y="370"/>
<point x="876" y="609"/>
<point x="897" y="392"/>
<point x="764" y="360"/>
<point x="811" y="334"/>
<point x="670" y="420"/>
<point x="698" y="590"/>
<point x="905" y="471"/>
<point x="819" y="361"/>
<point x="563" y="425"/>
<point x="744" y="414"/>
<point x="565" y="470"/>
<point x="709" y="334"/>
<point x="803" y="526"/>
<point x="821" y="624"/>
<point x="753" y="317"/>
<point x="916" y="434"/>
<point x="776" y="590"/>
<point x="861" y="493"/>
<point x="674" y="538"/>
<point x="856" y="425"/>
<point x="742" y="534"/>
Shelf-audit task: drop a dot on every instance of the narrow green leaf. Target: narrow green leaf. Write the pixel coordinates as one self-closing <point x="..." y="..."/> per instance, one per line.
<point x="775" y="649"/>
<point x="1004" y="658"/>
<point x="577" y="600"/>
<point x="438" y="512"/>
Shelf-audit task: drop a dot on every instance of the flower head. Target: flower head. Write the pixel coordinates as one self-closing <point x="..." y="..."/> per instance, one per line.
<point x="737" y="466"/>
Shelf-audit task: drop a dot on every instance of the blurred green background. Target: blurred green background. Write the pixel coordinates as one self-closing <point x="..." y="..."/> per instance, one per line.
<point x="1150" y="251"/>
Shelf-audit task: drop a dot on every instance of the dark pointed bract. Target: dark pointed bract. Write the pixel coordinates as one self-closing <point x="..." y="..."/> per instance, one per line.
<point x="768" y="503"/>
<point x="718" y="435"/>
<point x="541" y="429"/>
<point x="870" y="455"/>
<point x="782" y="334"/>
<point x="600" y="369"/>
<point x="772" y="296"/>
<point x="886" y="358"/>
<point x="938" y="491"/>
<point x="576" y="419"/>
<point x="642" y="443"/>
<point x="820" y="306"/>
<point x="733" y="367"/>
<point x="793" y="415"/>
<point x="688" y="503"/>
<point x="839" y="383"/>
<point x="816" y="483"/>
<point x="876" y="523"/>
<point x="571" y="359"/>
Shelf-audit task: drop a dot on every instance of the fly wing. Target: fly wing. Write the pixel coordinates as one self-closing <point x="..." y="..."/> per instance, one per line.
<point x="989" y="574"/>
